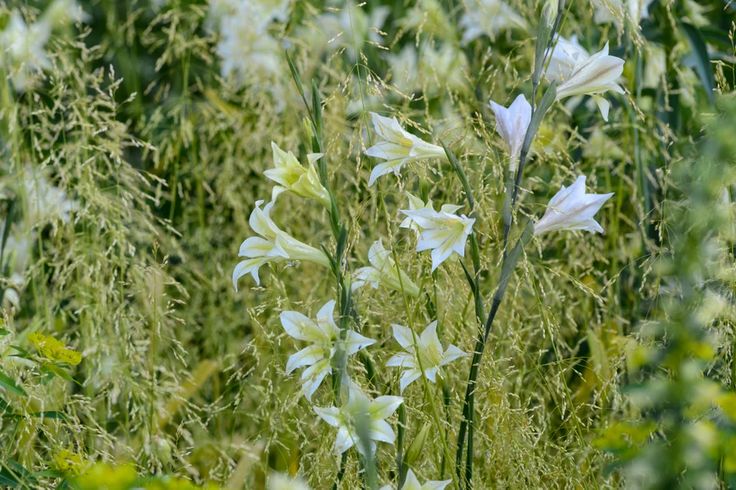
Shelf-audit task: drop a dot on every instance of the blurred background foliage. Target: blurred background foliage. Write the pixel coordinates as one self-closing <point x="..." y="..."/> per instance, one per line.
<point x="130" y="167"/>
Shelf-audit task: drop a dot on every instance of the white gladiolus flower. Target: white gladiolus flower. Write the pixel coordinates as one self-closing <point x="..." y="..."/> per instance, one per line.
<point x="511" y="125"/>
<point x="617" y="10"/>
<point x="358" y="406"/>
<point x="22" y="52"/>
<point x="398" y="147"/>
<point x="63" y="12"/>
<point x="415" y="203"/>
<point x="248" y="51"/>
<point x="292" y="176"/>
<point x="425" y="356"/>
<point x="572" y="209"/>
<point x="324" y="336"/>
<point x="579" y="73"/>
<point x="383" y="271"/>
<point x="489" y="18"/>
<point x="43" y="201"/>
<point x="412" y="483"/>
<point x="347" y="28"/>
<point x="443" y="231"/>
<point x="281" y="481"/>
<point x="273" y="245"/>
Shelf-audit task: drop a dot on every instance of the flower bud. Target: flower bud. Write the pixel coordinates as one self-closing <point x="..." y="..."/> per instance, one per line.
<point x="412" y="454"/>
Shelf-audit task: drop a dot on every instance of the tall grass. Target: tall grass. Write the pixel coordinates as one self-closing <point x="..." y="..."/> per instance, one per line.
<point x="150" y="160"/>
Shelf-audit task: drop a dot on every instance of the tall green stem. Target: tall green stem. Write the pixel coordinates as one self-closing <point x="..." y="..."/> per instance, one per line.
<point x="507" y="268"/>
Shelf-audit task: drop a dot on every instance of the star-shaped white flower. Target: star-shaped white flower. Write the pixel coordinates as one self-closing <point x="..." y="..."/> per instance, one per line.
<point x="425" y="356"/>
<point x="412" y="483"/>
<point x="273" y="245"/>
<point x="511" y="125"/>
<point x="359" y="406"/>
<point x="23" y="52"/>
<point x="489" y="18"/>
<point x="579" y="73"/>
<point x="281" y="481"/>
<point x="397" y="147"/>
<point x="323" y="335"/>
<point x="617" y="11"/>
<point x="383" y="270"/>
<point x="572" y="209"/>
<point x="443" y="231"/>
<point x="292" y="176"/>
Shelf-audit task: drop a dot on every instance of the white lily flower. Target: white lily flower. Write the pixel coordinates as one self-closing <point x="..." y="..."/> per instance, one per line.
<point x="412" y="483"/>
<point x="511" y="125"/>
<point x="489" y="18"/>
<point x="383" y="270"/>
<point x="398" y="147"/>
<point x="616" y="11"/>
<point x="579" y="73"/>
<point x="324" y="336"/>
<point x="23" y="54"/>
<point x="273" y="245"/>
<point x="292" y="176"/>
<point x="360" y="406"/>
<point x="572" y="209"/>
<point x="443" y="231"/>
<point x="425" y="356"/>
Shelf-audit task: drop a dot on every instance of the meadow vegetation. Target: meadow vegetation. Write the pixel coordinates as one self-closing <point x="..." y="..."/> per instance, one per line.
<point x="485" y="244"/>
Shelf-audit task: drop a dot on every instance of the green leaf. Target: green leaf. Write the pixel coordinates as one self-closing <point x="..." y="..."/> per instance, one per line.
<point x="9" y="384"/>
<point x="699" y="59"/>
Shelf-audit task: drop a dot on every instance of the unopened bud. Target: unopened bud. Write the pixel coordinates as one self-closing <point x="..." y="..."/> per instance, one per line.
<point x="412" y="454"/>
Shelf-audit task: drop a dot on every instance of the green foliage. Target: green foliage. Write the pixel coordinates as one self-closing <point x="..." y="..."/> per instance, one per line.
<point x="126" y="356"/>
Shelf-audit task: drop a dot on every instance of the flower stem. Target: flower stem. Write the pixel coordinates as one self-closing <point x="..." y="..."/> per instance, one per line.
<point x="466" y="425"/>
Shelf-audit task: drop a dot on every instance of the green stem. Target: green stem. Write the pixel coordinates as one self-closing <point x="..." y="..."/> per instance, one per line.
<point x="507" y="268"/>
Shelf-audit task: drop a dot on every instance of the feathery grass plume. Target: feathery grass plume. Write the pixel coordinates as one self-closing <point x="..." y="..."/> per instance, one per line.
<point x="136" y="140"/>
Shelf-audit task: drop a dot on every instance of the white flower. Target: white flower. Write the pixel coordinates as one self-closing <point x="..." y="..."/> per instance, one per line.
<point x="578" y="73"/>
<point x="347" y="29"/>
<point x="511" y="125"/>
<point x="249" y="53"/>
<point x="360" y="406"/>
<point x="489" y="18"/>
<point x="398" y="147"/>
<point x="43" y="201"/>
<point x="617" y="10"/>
<point x="292" y="176"/>
<point x="23" y="54"/>
<point x="280" y="481"/>
<point x="412" y="483"/>
<point x="383" y="270"/>
<point x="443" y="231"/>
<point x="323" y="335"/>
<point x="273" y="245"/>
<point x="426" y="355"/>
<point x="63" y="12"/>
<point x="428" y="69"/>
<point x="414" y="204"/>
<point x="572" y="209"/>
